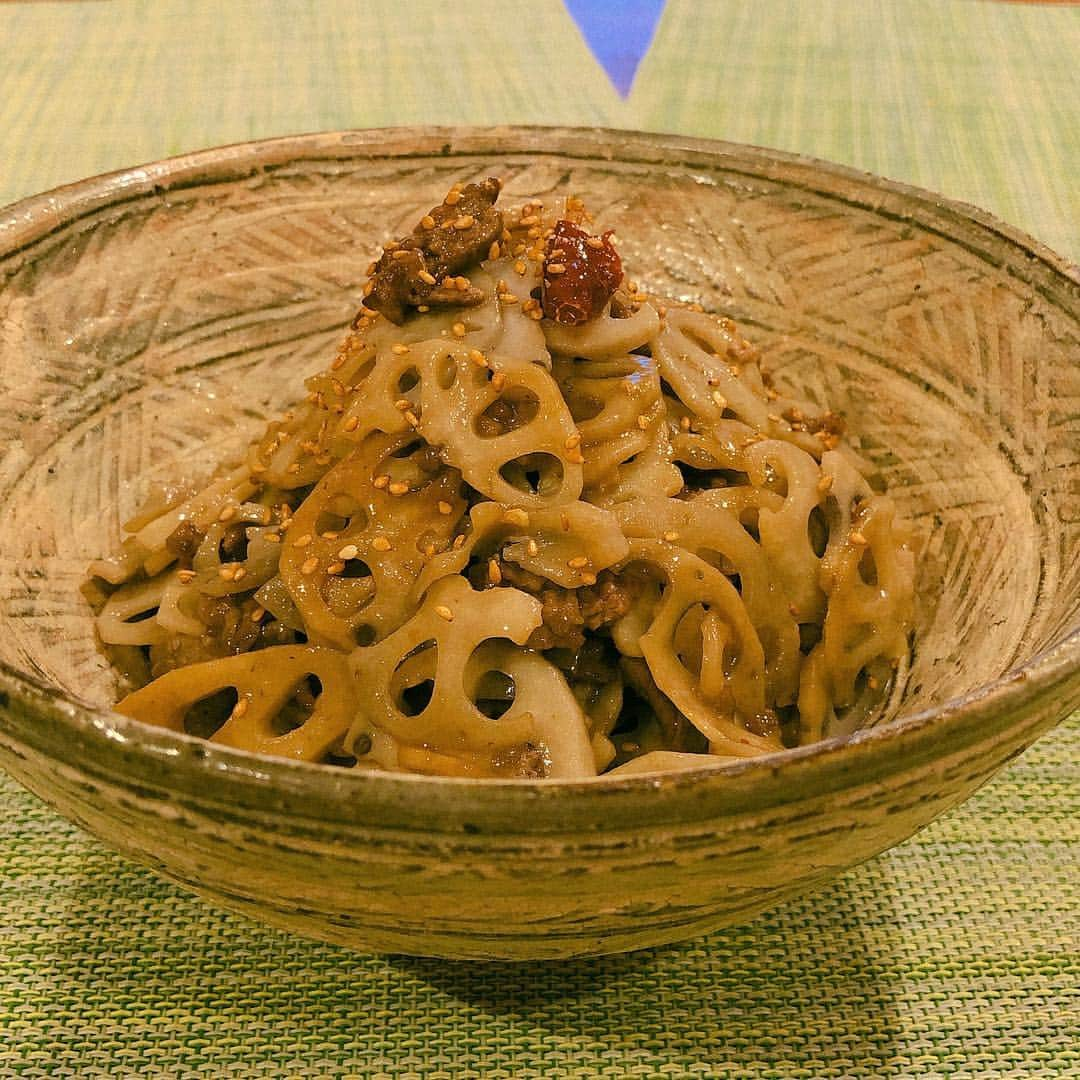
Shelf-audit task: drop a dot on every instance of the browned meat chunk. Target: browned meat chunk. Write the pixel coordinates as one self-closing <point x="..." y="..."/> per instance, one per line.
<point x="420" y="268"/>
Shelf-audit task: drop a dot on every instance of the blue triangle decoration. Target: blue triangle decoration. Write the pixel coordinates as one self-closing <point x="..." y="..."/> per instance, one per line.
<point x="619" y="33"/>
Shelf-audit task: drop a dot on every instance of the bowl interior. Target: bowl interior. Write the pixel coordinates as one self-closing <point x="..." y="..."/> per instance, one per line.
<point x="153" y="328"/>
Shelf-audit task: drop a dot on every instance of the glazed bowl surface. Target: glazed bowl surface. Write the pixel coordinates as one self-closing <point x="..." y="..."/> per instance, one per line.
<point x="152" y="320"/>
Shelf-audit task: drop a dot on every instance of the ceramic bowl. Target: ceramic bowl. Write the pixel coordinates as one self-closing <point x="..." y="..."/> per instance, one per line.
<point x="149" y="322"/>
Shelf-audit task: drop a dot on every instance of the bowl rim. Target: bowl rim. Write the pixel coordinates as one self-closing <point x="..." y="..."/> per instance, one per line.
<point x="26" y="223"/>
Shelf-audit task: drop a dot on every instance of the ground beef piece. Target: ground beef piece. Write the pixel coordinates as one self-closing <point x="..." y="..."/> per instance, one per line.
<point x="454" y="236"/>
<point x="568" y="613"/>
<point x="183" y="542"/>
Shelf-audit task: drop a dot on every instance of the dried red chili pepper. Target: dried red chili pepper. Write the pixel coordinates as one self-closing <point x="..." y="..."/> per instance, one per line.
<point x="580" y="274"/>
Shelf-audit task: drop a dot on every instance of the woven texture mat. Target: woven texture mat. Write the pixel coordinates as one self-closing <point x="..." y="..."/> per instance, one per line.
<point x="956" y="954"/>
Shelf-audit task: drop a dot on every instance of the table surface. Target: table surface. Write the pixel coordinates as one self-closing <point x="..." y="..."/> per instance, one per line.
<point x="956" y="954"/>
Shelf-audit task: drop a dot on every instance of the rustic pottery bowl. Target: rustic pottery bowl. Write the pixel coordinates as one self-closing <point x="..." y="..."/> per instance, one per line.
<point x="151" y="319"/>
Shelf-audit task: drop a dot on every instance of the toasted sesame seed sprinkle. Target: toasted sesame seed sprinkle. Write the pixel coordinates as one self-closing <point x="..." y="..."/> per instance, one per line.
<point x="536" y="315"/>
<point x="459" y="541"/>
<point x="498" y="382"/>
<point x="272" y="537"/>
<point x="573" y="441"/>
<point x="302" y="541"/>
<point x="257" y="615"/>
<point x="352" y="423"/>
<point x="575" y="457"/>
<point x="411" y="418"/>
<point x="643" y="422"/>
<point x="238" y="573"/>
<point x="381" y="481"/>
<point x="403" y="404"/>
<point x="530" y="219"/>
<point x="458" y="329"/>
<point x="516" y="516"/>
<point x="310" y="566"/>
<point x="422" y="308"/>
<point x="348" y="552"/>
<point x="335" y="568"/>
<point x="577" y="562"/>
<point x="227" y="514"/>
<point x="520" y="267"/>
<point x="380" y="543"/>
<point x="494" y="251"/>
<point x="671" y="536"/>
<point x="859" y="539"/>
<point x="494" y="573"/>
<point x="478" y="358"/>
<point x="594" y="242"/>
<point x="466" y="221"/>
<point x="445" y="508"/>
<point x="398" y="487"/>
<point x="444" y="612"/>
<point x="427" y="221"/>
<point x="426" y="277"/>
<point x="532" y="547"/>
<point x="402" y="253"/>
<point x="452" y="198"/>
<point x="587" y="578"/>
<point x="555" y="268"/>
<point x="330" y="535"/>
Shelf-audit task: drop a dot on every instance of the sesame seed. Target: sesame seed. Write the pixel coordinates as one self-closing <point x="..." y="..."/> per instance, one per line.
<point x="671" y="536"/>
<point x="335" y="568"/>
<point x="257" y="615"/>
<point x="478" y="358"/>
<point x="427" y="221"/>
<point x="444" y="612"/>
<point x="536" y="315"/>
<point x="859" y="539"/>
<point x="459" y="541"/>
<point x="400" y="254"/>
<point x="381" y="482"/>
<point x="573" y="441"/>
<point x="302" y="541"/>
<point x="426" y="277"/>
<point x="380" y="543"/>
<point x="422" y="308"/>
<point x="352" y="423"/>
<point x="400" y="349"/>
<point x="577" y="562"/>
<point x="533" y="547"/>
<point x="466" y="221"/>
<point x="494" y="251"/>
<point x="530" y="304"/>
<point x="587" y="578"/>
<point x="516" y="516"/>
<point x="411" y="418"/>
<point x="498" y="382"/>
<point x="331" y="535"/>
<point x="452" y="198"/>
<point x="348" y="552"/>
<point x="643" y="423"/>
<point x="239" y="573"/>
<point x="508" y="298"/>
<point x="402" y="404"/>
<point x="310" y="566"/>
<point x="494" y="573"/>
<point x="458" y="329"/>
<point x="594" y="242"/>
<point x="555" y="268"/>
<point x="272" y="537"/>
<point x="530" y="219"/>
<point x="445" y="508"/>
<point x="186" y="576"/>
<point x="520" y="267"/>
<point x="398" y="487"/>
<point x="227" y="514"/>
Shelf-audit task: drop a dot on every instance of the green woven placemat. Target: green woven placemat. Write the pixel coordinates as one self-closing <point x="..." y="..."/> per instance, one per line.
<point x="954" y="955"/>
